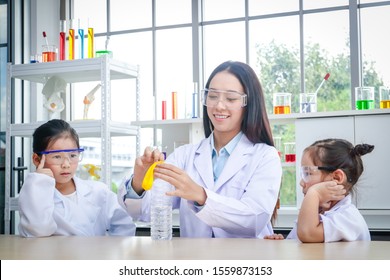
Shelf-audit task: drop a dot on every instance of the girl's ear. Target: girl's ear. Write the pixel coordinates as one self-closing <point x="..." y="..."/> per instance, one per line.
<point x="36" y="159"/>
<point x="339" y="176"/>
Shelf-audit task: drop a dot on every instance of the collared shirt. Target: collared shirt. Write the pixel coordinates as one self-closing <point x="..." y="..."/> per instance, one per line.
<point x="219" y="160"/>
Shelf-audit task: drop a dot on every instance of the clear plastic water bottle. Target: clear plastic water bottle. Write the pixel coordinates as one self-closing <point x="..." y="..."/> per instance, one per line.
<point x="161" y="211"/>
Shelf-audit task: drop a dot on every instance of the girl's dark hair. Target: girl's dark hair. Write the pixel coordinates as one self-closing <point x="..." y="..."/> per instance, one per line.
<point x="255" y="124"/>
<point x="51" y="131"/>
<point x="340" y="154"/>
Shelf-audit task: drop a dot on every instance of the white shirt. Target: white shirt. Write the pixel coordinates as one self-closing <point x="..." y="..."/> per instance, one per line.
<point x="239" y="203"/>
<point x="343" y="222"/>
<point x="44" y="211"/>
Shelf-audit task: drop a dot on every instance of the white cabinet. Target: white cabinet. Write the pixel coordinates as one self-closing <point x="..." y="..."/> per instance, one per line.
<point x="103" y="70"/>
<point x="371" y="127"/>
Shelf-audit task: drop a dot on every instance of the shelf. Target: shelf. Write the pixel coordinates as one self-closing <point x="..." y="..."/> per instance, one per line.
<point x="73" y="71"/>
<point x="159" y="123"/>
<point x="102" y="69"/>
<point x="274" y="119"/>
<point x="85" y="128"/>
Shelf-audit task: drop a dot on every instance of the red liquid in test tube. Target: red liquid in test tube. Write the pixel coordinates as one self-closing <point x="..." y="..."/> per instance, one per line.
<point x="62" y="40"/>
<point x="163" y="110"/>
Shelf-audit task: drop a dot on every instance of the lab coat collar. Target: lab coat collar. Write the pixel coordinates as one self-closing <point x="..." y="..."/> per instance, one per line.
<point x="203" y="163"/>
<point x="237" y="160"/>
<point x="82" y="189"/>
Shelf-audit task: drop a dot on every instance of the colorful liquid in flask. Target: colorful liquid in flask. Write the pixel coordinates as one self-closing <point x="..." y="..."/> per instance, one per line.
<point x="385" y="104"/>
<point x="365" y="104"/>
<point x="282" y="109"/>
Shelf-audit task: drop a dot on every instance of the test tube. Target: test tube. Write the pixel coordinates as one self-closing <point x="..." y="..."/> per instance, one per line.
<point x="174" y="105"/>
<point x="91" y="52"/>
<point x="163" y="110"/>
<point x="81" y="40"/>
<point x="62" y="39"/>
<point x="71" y="40"/>
<point x="195" y="100"/>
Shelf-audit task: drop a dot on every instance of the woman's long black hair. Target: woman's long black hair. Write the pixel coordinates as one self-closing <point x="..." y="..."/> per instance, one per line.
<point x="255" y="124"/>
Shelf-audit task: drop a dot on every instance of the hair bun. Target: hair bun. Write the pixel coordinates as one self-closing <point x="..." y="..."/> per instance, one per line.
<point x="362" y="149"/>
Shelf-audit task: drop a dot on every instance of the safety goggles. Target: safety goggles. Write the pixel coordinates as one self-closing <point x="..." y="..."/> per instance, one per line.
<point x="308" y="171"/>
<point x="57" y="157"/>
<point x="233" y="100"/>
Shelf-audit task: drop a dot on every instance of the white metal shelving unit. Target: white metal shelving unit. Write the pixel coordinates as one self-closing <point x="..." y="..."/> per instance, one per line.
<point x="103" y="69"/>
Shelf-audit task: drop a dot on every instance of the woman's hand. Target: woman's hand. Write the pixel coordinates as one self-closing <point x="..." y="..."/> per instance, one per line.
<point x="142" y="165"/>
<point x="185" y="187"/>
<point x="42" y="170"/>
<point x="275" y="236"/>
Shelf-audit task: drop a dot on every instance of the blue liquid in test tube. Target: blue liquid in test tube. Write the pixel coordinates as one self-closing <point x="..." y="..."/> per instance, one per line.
<point x="81" y="41"/>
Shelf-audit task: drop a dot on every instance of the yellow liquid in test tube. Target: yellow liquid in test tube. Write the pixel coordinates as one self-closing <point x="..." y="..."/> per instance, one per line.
<point x="90" y="43"/>
<point x="71" y="44"/>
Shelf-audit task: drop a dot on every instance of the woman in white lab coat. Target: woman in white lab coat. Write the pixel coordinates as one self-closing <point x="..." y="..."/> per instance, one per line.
<point x="227" y="185"/>
<point x="53" y="201"/>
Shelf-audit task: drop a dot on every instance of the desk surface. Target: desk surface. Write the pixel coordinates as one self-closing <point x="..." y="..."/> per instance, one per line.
<point x="139" y="248"/>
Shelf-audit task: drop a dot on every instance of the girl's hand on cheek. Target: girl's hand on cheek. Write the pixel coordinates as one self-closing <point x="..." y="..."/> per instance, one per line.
<point x="329" y="191"/>
<point x="42" y="170"/>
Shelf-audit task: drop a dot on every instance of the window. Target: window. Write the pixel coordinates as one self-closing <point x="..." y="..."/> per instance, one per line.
<point x="292" y="48"/>
<point x="375" y="48"/>
<point x="3" y="69"/>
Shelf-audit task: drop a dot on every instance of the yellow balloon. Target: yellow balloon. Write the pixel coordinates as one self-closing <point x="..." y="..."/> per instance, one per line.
<point x="147" y="183"/>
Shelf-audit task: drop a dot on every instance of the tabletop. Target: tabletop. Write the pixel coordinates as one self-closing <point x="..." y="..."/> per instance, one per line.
<point x="143" y="248"/>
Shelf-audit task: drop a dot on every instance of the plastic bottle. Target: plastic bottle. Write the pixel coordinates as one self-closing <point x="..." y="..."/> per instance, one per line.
<point x="161" y="211"/>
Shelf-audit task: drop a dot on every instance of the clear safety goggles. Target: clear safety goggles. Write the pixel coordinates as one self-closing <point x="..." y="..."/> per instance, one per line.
<point x="308" y="171"/>
<point x="57" y="157"/>
<point x="233" y="100"/>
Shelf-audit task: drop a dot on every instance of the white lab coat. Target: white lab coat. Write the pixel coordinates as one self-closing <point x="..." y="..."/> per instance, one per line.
<point x="343" y="222"/>
<point x="44" y="211"/>
<point x="239" y="204"/>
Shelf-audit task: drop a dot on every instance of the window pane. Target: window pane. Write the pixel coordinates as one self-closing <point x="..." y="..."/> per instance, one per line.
<point x="327" y="50"/>
<point x="3" y="24"/>
<point x="274" y="54"/>
<point x="174" y="69"/>
<point x="3" y="88"/>
<point x="170" y="12"/>
<point x="222" y="9"/>
<point x="136" y="49"/>
<point x="375" y="46"/>
<point x="223" y="42"/>
<point x="288" y="194"/>
<point x="310" y="4"/>
<point x="132" y="14"/>
<point x="92" y="13"/>
<point x="122" y="158"/>
<point x="257" y="7"/>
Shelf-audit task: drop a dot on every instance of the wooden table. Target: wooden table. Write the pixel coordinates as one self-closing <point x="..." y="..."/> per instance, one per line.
<point x="143" y="248"/>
